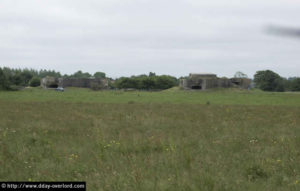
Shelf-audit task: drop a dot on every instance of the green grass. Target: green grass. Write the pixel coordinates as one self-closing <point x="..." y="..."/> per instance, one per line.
<point x="172" y="96"/>
<point x="170" y="140"/>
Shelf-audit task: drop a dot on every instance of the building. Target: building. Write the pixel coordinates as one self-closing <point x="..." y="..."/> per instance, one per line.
<point x="95" y="83"/>
<point x="208" y="81"/>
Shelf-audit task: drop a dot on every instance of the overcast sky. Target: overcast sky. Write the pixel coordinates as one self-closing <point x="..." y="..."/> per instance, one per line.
<point x="130" y="37"/>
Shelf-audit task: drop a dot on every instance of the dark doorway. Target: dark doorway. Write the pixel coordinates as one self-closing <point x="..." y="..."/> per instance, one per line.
<point x="53" y="86"/>
<point x="196" y="87"/>
<point x="236" y="83"/>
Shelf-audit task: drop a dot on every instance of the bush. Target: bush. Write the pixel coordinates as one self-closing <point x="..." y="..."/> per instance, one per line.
<point x="256" y="172"/>
<point x="15" y="88"/>
<point x="96" y="86"/>
<point x="35" y="82"/>
<point x="144" y="82"/>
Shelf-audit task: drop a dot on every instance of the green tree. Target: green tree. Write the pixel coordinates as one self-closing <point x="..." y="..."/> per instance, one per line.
<point x="295" y="84"/>
<point x="52" y="73"/>
<point x="268" y="80"/>
<point x="17" y="79"/>
<point x="35" y="82"/>
<point x="148" y="83"/>
<point x="144" y="82"/>
<point x="165" y="82"/>
<point x="80" y="74"/>
<point x="26" y="76"/>
<point x="126" y="83"/>
<point x="4" y="83"/>
<point x="240" y="74"/>
<point x="99" y="75"/>
<point x="151" y="74"/>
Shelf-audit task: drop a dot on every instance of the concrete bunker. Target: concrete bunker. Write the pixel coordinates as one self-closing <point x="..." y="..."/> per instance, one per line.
<point x="53" y="86"/>
<point x="50" y="82"/>
<point x="94" y="83"/>
<point x="207" y="81"/>
<point x="197" y="87"/>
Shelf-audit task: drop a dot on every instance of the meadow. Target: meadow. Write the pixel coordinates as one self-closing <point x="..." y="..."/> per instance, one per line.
<point x="217" y="140"/>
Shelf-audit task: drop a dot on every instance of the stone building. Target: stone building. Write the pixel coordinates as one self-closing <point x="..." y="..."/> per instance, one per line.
<point x="244" y="83"/>
<point x="208" y="81"/>
<point x="97" y="83"/>
<point x="51" y="82"/>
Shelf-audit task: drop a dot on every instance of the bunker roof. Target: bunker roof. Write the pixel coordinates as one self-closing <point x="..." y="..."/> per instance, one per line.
<point x="202" y="75"/>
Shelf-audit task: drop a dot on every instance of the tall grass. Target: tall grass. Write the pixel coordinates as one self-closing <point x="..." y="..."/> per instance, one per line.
<point x="151" y="144"/>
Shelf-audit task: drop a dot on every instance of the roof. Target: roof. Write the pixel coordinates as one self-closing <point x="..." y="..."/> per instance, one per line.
<point x="203" y="74"/>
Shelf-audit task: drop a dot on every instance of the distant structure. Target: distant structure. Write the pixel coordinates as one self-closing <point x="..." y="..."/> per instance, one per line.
<point x="52" y="82"/>
<point x="207" y="81"/>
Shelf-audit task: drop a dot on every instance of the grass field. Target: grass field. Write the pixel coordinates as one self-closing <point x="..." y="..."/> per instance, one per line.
<point x="169" y="140"/>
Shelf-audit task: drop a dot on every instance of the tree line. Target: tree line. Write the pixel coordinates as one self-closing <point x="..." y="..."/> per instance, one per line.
<point x="14" y="79"/>
<point x="268" y="80"/>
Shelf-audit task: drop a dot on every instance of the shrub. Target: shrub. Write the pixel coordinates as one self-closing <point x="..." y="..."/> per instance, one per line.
<point x="35" y="82"/>
<point x="96" y="86"/>
<point x="256" y="172"/>
<point x="144" y="82"/>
